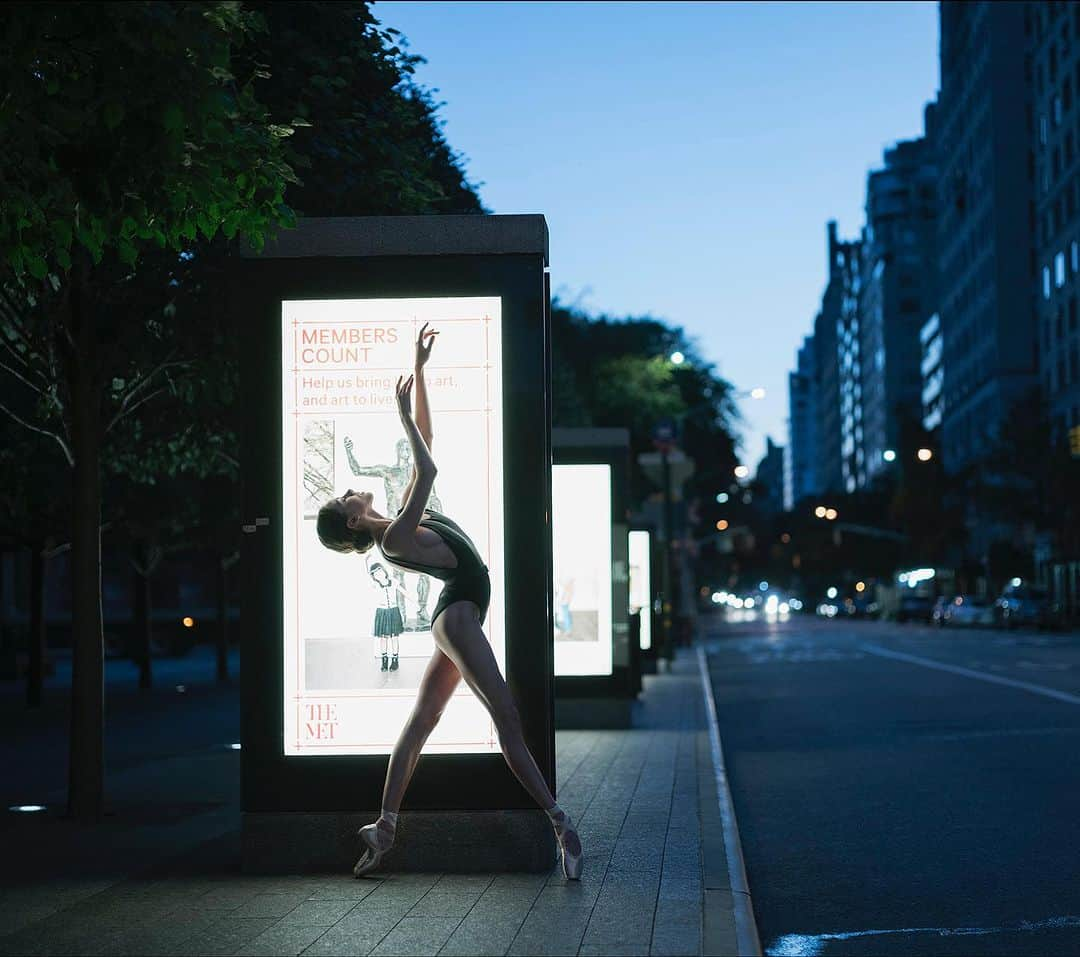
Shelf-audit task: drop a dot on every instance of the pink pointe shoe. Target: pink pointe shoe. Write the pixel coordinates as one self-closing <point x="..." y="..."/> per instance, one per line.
<point x="573" y="858"/>
<point x="375" y="839"/>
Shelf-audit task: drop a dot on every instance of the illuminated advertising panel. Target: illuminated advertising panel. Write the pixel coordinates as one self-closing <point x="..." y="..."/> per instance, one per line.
<point x="357" y="630"/>
<point x="641" y="585"/>
<point x="581" y="549"/>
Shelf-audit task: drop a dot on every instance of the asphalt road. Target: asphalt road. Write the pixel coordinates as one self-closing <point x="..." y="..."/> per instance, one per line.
<point x="904" y="790"/>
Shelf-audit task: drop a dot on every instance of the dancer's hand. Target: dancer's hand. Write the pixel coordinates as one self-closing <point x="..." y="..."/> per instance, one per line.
<point x="424" y="342"/>
<point x="404" y="395"/>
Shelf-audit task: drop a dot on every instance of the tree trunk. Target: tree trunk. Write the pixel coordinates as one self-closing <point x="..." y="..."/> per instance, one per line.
<point x="35" y="671"/>
<point x="86" y="768"/>
<point x="140" y="619"/>
<point x="223" y="621"/>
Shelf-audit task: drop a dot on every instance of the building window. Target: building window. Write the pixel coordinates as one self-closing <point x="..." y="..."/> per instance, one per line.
<point x="1043" y="129"/>
<point x="1059" y="270"/>
<point x="1074" y="256"/>
<point x="1046" y="282"/>
<point x="1057" y="110"/>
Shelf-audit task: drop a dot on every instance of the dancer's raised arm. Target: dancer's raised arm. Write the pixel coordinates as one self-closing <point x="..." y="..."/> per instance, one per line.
<point x="424" y="342"/>
<point x="404" y="526"/>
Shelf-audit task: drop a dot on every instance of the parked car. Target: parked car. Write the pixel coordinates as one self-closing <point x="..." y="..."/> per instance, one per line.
<point x="968" y="610"/>
<point x="915" y="608"/>
<point x="1027" y="606"/>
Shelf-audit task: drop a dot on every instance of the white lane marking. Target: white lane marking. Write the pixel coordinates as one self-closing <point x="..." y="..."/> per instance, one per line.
<point x="809" y="945"/>
<point x="978" y="675"/>
<point x="746" y="932"/>
<point x="997" y="733"/>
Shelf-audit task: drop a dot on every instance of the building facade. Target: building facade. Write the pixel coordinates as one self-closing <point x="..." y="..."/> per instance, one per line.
<point x="896" y="295"/>
<point x="837" y="360"/>
<point x="802" y="459"/>
<point x="1053" y="34"/>
<point x="770" y="479"/>
<point x="985" y="255"/>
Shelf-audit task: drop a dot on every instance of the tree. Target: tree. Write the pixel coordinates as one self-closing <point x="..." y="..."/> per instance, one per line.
<point x="374" y="144"/>
<point x="124" y="129"/>
<point x="617" y="373"/>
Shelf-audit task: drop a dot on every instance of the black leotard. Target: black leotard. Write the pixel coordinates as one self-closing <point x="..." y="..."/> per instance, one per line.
<point x="469" y="581"/>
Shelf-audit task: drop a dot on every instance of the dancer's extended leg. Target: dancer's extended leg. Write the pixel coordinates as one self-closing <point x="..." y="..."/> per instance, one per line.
<point x="440" y="679"/>
<point x="458" y="633"/>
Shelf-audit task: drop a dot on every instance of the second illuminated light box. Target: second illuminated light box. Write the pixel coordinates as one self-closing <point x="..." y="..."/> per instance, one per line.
<point x="593" y="657"/>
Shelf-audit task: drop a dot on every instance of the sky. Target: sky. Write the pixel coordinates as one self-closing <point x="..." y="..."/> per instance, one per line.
<point x="687" y="156"/>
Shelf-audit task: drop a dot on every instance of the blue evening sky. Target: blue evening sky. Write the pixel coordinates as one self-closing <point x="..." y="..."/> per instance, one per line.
<point x="686" y="156"/>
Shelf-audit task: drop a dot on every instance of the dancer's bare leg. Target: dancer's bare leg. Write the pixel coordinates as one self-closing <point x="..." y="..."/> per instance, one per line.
<point x="459" y="634"/>
<point x="440" y="679"/>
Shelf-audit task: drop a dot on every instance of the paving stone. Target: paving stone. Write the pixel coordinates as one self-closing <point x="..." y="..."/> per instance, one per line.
<point x="453" y="896"/>
<point x="417" y="935"/>
<point x="346" y="888"/>
<point x="283" y="939"/>
<point x="224" y="935"/>
<point x="490" y="927"/>
<point x="319" y="912"/>
<point x="677" y="926"/>
<point x="270" y="905"/>
<point x="361" y="930"/>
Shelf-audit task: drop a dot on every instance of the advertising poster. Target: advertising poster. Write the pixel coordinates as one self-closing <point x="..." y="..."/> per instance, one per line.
<point x="357" y="630"/>
<point x="640" y="584"/>
<point x="581" y="546"/>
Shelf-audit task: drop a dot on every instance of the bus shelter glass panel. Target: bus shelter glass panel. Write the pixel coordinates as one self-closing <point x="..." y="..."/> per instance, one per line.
<point x="581" y="549"/>
<point x="641" y="585"/>
<point x="357" y="631"/>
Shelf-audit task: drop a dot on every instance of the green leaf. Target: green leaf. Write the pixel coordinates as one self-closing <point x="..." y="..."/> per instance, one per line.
<point x="36" y="266"/>
<point x="63" y="257"/>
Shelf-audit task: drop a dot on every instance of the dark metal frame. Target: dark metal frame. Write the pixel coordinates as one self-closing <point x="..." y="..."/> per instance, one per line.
<point x="305" y="270"/>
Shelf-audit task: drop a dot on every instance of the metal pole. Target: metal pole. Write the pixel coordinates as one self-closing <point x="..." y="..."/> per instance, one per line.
<point x="668" y="601"/>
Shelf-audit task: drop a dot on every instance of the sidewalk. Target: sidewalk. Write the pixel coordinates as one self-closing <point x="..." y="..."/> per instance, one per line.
<point x="162" y="875"/>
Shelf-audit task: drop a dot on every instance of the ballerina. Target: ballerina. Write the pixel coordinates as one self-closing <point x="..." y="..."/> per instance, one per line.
<point x="426" y="541"/>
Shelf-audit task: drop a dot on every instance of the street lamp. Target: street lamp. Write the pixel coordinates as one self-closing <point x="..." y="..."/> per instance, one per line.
<point x="889" y="455"/>
<point x="925" y="455"/>
<point x="755" y="393"/>
<point x="830" y="514"/>
<point x="721" y="498"/>
<point x="677" y="358"/>
<point x="820" y="511"/>
<point x="741" y="471"/>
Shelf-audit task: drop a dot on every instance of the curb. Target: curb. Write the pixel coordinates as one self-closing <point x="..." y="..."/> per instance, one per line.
<point x="746" y="933"/>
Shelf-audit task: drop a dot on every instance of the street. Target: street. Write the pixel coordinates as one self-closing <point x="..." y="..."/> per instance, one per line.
<point x="901" y="789"/>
